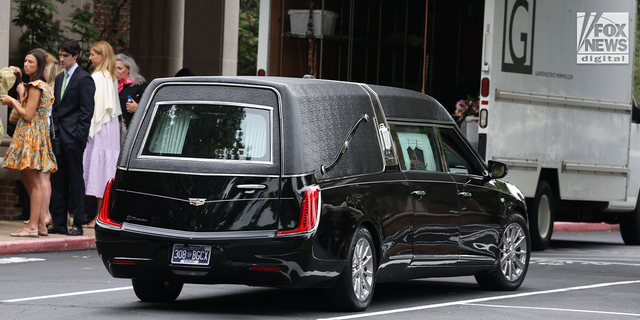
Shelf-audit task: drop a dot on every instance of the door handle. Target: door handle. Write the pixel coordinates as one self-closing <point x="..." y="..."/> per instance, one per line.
<point x="418" y="193"/>
<point x="465" y="194"/>
<point x="251" y="188"/>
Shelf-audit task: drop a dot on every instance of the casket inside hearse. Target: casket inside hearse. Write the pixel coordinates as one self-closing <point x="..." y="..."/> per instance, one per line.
<point x="270" y="181"/>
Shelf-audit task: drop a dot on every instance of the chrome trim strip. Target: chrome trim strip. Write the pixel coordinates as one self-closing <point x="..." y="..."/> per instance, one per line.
<point x="381" y="118"/>
<point x="594" y="168"/>
<point x="251" y="186"/>
<point x="198" y="102"/>
<point x="552" y="100"/>
<point x="473" y="257"/>
<point x="193" y="235"/>
<point x="363" y="183"/>
<point x="208" y="201"/>
<point x="435" y="257"/>
<point x="402" y="257"/>
<point x="201" y="174"/>
<point x="107" y="226"/>
<point x="136" y="259"/>
<point x="345" y="145"/>
<point x="153" y="94"/>
<point x="519" y="162"/>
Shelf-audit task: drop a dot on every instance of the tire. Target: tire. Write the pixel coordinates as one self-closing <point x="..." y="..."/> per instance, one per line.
<point x="630" y="226"/>
<point x="355" y="286"/>
<point x="515" y="252"/>
<point x="156" y="291"/>
<point x="542" y="217"/>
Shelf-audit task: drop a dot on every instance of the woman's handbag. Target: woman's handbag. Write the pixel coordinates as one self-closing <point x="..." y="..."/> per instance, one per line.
<point x="14" y="116"/>
<point x="55" y="141"/>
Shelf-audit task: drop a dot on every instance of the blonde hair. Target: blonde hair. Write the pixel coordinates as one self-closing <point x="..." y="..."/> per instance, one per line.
<point x="52" y="69"/>
<point x="108" y="63"/>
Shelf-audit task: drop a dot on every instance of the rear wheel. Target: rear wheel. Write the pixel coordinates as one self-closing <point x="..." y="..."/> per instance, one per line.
<point x="515" y="251"/>
<point x="354" y="289"/>
<point x="156" y="291"/>
<point x="542" y="217"/>
<point x="630" y="226"/>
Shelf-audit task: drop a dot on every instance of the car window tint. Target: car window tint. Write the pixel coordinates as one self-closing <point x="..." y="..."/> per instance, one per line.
<point x="417" y="147"/>
<point x="459" y="157"/>
<point x="210" y="131"/>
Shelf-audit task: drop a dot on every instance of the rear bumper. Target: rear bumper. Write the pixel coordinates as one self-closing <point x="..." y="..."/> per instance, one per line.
<point x="259" y="261"/>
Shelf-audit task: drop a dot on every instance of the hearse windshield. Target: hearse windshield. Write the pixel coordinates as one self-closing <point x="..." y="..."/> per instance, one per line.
<point x="210" y="131"/>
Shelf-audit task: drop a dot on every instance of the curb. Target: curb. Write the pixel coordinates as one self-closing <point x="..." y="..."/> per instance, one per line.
<point x="47" y="245"/>
<point x="584" y="226"/>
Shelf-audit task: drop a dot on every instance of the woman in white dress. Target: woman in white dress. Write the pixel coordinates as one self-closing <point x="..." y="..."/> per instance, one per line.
<point x="103" y="145"/>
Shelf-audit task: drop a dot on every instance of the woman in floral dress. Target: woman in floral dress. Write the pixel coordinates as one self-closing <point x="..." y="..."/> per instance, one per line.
<point x="30" y="150"/>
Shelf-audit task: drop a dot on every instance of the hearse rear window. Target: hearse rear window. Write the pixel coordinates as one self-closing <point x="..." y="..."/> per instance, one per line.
<point x="210" y="131"/>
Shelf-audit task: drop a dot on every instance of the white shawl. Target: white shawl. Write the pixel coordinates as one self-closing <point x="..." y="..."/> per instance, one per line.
<point x="107" y="101"/>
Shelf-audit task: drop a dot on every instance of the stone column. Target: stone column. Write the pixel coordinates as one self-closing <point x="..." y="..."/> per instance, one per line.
<point x="5" y="24"/>
<point x="230" y="43"/>
<point x="157" y="36"/>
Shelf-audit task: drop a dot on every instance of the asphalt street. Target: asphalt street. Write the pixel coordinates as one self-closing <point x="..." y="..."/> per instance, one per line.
<point x="583" y="275"/>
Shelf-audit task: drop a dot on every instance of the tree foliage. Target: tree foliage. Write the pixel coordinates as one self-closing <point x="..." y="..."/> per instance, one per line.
<point x="39" y="30"/>
<point x="248" y="37"/>
<point x="81" y="21"/>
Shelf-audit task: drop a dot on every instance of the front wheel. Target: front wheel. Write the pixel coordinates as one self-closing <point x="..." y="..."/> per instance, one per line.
<point x="354" y="289"/>
<point x="542" y="217"/>
<point x="156" y="291"/>
<point x="630" y="226"/>
<point x="515" y="251"/>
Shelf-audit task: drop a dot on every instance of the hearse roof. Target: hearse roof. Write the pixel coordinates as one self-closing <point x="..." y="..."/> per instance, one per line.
<point x="396" y="102"/>
<point x="317" y="116"/>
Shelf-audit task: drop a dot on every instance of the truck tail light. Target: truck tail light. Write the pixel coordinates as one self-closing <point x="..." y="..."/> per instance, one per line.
<point x="484" y="117"/>
<point x="308" y="212"/>
<point x="485" y="87"/>
<point x="103" y="216"/>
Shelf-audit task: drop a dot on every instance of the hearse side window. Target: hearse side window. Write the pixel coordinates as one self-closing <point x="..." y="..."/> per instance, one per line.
<point x="417" y="147"/>
<point x="458" y="156"/>
<point x="210" y="131"/>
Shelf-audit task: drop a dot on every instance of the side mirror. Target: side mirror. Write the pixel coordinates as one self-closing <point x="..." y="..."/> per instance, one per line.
<point x="497" y="169"/>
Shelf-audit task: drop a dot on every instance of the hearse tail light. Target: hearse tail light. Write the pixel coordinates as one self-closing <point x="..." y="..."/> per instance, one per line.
<point x="106" y="206"/>
<point x="485" y="87"/>
<point x="308" y="212"/>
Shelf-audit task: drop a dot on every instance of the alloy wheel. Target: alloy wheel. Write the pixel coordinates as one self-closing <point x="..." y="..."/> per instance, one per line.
<point x="513" y="252"/>
<point x="362" y="270"/>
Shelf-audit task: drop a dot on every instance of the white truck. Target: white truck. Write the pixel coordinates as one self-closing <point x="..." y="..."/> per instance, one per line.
<point x="556" y="106"/>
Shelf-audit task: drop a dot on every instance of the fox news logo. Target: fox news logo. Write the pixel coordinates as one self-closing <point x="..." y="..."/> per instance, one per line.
<point x="603" y="38"/>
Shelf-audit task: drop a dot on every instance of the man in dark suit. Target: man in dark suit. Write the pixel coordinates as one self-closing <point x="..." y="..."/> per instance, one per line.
<point x="71" y="115"/>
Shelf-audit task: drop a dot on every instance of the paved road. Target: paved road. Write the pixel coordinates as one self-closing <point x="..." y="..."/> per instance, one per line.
<point x="587" y="275"/>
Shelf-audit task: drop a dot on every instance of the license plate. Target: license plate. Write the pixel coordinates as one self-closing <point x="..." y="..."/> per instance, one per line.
<point x="191" y="254"/>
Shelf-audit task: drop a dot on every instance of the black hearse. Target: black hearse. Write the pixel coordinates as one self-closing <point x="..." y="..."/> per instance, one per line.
<point x="269" y="181"/>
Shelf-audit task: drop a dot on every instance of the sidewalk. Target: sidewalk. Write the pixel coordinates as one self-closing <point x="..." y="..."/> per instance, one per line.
<point x="57" y="242"/>
<point x="54" y="242"/>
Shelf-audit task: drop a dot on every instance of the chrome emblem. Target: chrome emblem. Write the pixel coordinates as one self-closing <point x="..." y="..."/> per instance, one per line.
<point x="196" y="202"/>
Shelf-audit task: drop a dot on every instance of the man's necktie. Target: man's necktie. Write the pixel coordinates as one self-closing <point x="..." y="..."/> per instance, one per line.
<point x="64" y="84"/>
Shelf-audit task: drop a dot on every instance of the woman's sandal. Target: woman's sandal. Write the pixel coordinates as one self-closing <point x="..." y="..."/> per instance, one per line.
<point x="43" y="233"/>
<point x="46" y="222"/>
<point x="24" y="232"/>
